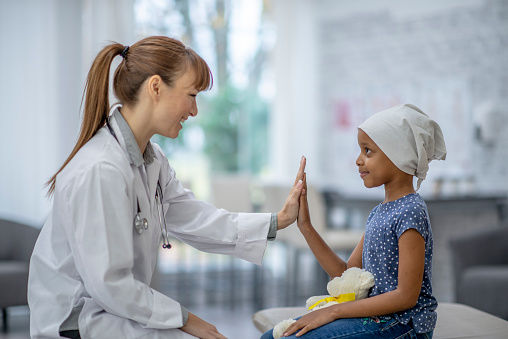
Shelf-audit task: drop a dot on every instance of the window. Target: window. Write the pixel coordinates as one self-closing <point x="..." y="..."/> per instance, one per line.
<point x="230" y="134"/>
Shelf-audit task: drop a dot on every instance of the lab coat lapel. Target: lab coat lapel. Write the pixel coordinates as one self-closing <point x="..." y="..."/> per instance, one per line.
<point x="144" y="202"/>
<point x="152" y="173"/>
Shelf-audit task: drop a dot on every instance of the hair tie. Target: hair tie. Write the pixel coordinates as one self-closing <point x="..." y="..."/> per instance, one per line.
<point x="124" y="52"/>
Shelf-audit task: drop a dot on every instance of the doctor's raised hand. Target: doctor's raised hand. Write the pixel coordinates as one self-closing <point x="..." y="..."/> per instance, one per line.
<point x="116" y="199"/>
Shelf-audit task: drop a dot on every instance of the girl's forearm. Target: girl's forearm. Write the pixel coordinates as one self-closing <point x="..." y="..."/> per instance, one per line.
<point x="382" y="304"/>
<point x="327" y="258"/>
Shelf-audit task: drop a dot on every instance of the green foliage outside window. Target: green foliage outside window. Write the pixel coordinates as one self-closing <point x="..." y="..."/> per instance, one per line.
<point x="233" y="119"/>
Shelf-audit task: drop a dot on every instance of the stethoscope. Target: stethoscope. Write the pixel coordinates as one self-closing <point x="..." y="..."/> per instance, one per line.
<point x="140" y="223"/>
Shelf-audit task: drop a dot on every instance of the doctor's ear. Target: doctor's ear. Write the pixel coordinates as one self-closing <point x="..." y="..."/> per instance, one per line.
<point x="154" y="86"/>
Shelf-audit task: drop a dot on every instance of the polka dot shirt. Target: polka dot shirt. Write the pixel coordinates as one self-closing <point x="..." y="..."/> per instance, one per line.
<point x="385" y="225"/>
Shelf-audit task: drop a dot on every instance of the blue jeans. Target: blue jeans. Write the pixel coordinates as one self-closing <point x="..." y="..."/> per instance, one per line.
<point x="373" y="327"/>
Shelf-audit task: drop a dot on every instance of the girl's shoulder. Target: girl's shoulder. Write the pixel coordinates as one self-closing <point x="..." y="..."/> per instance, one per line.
<point x="414" y="202"/>
<point x="411" y="206"/>
<point x="411" y="203"/>
<point x="399" y="215"/>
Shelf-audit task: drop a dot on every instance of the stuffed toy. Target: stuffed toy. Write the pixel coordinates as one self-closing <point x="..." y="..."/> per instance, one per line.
<point x="353" y="284"/>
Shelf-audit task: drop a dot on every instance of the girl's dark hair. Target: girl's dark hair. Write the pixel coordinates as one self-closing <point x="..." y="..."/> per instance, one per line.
<point x="156" y="55"/>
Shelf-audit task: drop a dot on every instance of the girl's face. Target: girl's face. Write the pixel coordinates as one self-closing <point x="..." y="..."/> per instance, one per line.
<point x="176" y="105"/>
<point x="375" y="167"/>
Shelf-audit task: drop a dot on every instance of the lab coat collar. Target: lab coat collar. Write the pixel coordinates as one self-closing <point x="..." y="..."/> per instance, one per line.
<point x="149" y="158"/>
<point x="133" y="151"/>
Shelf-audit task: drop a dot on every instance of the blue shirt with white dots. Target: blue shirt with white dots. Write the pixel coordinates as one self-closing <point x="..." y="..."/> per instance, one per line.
<point x="385" y="225"/>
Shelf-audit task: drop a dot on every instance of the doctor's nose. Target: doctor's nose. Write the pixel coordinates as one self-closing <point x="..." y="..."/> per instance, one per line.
<point x="194" y="110"/>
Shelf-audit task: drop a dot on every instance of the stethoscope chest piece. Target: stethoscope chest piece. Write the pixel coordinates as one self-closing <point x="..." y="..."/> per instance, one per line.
<point x="140" y="224"/>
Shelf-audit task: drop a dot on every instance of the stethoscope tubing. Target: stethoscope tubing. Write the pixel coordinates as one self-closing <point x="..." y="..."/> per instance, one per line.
<point x="140" y="223"/>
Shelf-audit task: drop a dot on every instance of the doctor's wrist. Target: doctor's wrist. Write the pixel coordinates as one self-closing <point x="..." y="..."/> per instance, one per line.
<point x="283" y="220"/>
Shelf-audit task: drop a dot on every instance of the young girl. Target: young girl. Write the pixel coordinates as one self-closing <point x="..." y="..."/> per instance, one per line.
<point x="116" y="198"/>
<point x="395" y="145"/>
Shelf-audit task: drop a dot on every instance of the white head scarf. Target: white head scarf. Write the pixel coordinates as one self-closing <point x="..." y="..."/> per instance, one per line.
<point x="408" y="137"/>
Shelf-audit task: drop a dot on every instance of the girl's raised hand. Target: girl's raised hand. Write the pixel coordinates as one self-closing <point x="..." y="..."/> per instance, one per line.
<point x="287" y="215"/>
<point x="303" y="212"/>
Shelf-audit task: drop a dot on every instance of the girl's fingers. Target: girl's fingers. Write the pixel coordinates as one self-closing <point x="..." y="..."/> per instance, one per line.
<point x="303" y="201"/>
<point x="303" y="195"/>
<point x="303" y="331"/>
<point x="291" y="329"/>
<point x="304" y="182"/>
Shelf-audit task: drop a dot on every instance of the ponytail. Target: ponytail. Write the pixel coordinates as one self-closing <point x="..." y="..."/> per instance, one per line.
<point x="96" y="109"/>
<point x="156" y="55"/>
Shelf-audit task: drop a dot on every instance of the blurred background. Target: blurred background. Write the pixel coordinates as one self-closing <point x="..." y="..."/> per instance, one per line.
<point x="291" y="78"/>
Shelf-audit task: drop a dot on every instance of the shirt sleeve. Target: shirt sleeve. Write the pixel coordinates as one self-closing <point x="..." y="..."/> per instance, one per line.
<point x="272" y="233"/>
<point x="413" y="216"/>
<point x="98" y="222"/>
<point x="209" y="229"/>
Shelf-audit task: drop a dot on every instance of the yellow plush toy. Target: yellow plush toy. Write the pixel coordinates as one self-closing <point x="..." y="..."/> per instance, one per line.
<point x="353" y="284"/>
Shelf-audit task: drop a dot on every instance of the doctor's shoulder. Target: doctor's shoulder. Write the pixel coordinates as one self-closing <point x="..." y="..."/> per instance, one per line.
<point x="100" y="158"/>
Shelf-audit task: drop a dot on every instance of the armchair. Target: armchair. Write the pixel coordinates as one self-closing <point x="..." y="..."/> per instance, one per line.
<point x="16" y="244"/>
<point x="480" y="264"/>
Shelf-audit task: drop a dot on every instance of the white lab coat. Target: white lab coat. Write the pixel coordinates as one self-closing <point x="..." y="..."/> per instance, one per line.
<point x="90" y="256"/>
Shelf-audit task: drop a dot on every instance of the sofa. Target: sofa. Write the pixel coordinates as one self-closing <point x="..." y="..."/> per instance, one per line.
<point x="480" y="270"/>
<point x="16" y="244"/>
<point x="453" y="321"/>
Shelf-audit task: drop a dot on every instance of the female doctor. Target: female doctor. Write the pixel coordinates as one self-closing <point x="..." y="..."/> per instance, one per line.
<point x="116" y="197"/>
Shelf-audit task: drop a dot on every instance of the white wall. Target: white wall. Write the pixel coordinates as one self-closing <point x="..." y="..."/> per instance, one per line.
<point x="340" y="61"/>
<point x="46" y="49"/>
<point x="295" y="120"/>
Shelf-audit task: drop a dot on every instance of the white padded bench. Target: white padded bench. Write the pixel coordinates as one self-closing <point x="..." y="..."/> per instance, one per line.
<point x="453" y="321"/>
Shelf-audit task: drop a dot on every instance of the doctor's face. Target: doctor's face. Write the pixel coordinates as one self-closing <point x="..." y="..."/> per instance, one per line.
<point x="177" y="104"/>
